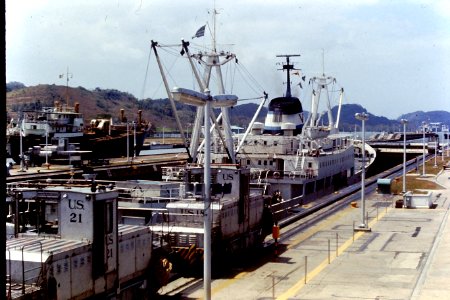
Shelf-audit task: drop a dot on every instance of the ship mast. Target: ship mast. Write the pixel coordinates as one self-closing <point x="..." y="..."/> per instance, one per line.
<point x="212" y="60"/>
<point x="169" y="94"/>
<point x="68" y="75"/>
<point x="321" y="83"/>
<point x="288" y="67"/>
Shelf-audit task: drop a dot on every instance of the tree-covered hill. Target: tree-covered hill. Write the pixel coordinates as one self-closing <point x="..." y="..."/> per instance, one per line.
<point x="109" y="102"/>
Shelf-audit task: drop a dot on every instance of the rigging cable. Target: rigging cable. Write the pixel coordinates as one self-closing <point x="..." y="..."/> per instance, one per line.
<point x="247" y="82"/>
<point x="146" y="74"/>
<point x="168" y="70"/>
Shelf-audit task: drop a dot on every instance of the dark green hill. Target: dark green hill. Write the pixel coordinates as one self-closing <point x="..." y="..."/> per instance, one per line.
<point x="416" y="118"/>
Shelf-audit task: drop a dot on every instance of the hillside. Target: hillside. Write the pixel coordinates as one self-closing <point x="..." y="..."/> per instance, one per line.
<point x="416" y="118"/>
<point x="92" y="103"/>
<point x="108" y="102"/>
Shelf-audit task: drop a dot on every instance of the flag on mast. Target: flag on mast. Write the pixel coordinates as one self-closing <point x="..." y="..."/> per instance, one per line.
<point x="200" y="32"/>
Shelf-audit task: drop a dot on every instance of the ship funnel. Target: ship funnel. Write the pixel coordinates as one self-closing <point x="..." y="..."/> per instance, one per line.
<point x="77" y="107"/>
<point x="122" y="115"/>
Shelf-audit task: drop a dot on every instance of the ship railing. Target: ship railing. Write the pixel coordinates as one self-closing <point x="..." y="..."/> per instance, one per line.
<point x="261" y="179"/>
<point x="33" y="279"/>
<point x="189" y="220"/>
<point x="307" y="173"/>
<point x="63" y="108"/>
<point x="300" y="154"/>
<point x="171" y="220"/>
<point x="147" y="199"/>
<point x="8" y="276"/>
<point x="281" y="209"/>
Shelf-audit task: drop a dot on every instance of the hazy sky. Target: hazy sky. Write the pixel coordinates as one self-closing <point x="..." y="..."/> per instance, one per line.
<point x="392" y="57"/>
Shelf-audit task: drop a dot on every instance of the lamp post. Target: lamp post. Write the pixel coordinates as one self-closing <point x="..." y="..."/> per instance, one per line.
<point x="443" y="142"/>
<point x="208" y="212"/>
<point x="164" y="141"/>
<point x="448" y="142"/>
<point x="128" y="141"/>
<point x="207" y="101"/>
<point x="46" y="144"/>
<point x="22" y="132"/>
<point x="202" y="99"/>
<point x="134" y="137"/>
<point x="423" y="143"/>
<point x="404" y="122"/>
<point x="363" y="117"/>
<point x="436" y="145"/>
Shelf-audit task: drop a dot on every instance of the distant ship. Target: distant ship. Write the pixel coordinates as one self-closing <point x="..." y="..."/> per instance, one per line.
<point x="60" y="130"/>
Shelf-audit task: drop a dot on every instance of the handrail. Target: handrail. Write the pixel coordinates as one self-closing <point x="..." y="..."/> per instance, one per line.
<point x="9" y="275"/>
<point x="23" y="263"/>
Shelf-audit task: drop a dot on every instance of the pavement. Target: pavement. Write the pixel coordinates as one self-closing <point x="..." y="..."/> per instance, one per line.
<point x="406" y="255"/>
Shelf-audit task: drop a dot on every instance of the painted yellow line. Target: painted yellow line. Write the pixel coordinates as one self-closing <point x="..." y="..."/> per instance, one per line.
<point x="301" y="283"/>
<point x="293" y="243"/>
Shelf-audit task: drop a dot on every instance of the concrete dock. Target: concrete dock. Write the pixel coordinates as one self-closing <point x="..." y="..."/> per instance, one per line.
<point x="406" y="255"/>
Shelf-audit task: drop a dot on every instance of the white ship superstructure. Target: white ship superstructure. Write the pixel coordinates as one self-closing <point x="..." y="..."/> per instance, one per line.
<point x="293" y="157"/>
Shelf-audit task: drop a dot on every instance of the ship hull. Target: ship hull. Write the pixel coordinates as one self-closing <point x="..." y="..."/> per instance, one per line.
<point x="101" y="146"/>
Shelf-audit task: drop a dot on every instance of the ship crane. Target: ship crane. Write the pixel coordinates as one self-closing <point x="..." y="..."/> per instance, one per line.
<point x="210" y="61"/>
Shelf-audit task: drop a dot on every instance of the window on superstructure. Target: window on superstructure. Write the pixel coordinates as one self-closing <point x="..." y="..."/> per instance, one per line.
<point x="265" y="143"/>
<point x="310" y="165"/>
<point x="259" y="162"/>
<point x="265" y="162"/>
<point x="275" y="143"/>
<point x="248" y="161"/>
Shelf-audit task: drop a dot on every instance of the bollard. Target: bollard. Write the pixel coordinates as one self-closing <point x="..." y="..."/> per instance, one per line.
<point x="306" y="267"/>
<point x="276" y="235"/>
<point x="329" y="260"/>
<point x="337" y="250"/>
<point x="353" y="231"/>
